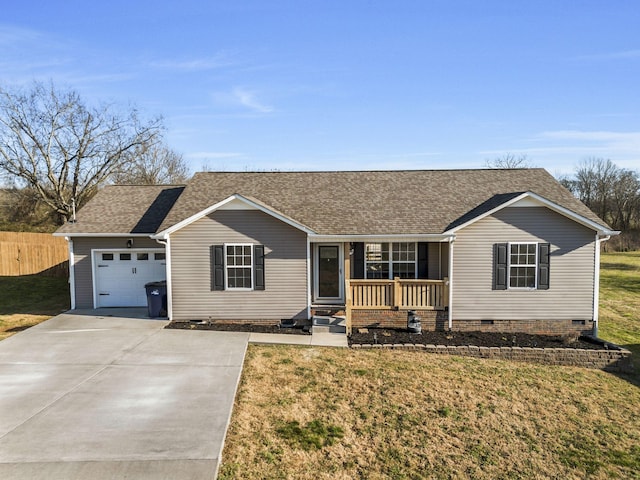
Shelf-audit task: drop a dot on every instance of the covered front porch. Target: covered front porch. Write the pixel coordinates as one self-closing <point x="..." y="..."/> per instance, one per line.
<point x="348" y="277"/>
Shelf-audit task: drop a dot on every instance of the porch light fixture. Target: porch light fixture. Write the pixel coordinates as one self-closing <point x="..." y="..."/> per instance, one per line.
<point x="130" y="243"/>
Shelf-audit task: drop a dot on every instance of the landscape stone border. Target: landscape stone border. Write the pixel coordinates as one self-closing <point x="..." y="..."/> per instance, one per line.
<point x="612" y="358"/>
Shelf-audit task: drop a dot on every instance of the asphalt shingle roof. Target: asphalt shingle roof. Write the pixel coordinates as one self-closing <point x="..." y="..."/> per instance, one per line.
<point x="125" y="209"/>
<point x="330" y="203"/>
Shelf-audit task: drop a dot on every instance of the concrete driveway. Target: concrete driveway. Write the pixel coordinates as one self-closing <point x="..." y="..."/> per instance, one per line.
<point x="97" y="397"/>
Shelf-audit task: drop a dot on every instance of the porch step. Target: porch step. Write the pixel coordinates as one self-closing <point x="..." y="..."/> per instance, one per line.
<point x="323" y="324"/>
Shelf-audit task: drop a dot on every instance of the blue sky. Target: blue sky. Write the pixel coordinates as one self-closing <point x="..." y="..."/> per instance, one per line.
<point x="331" y="85"/>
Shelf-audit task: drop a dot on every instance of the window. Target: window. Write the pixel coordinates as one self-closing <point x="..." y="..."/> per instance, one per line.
<point x="125" y="256"/>
<point x="160" y="256"/>
<point x="522" y="265"/>
<point x="237" y="267"/>
<point x="377" y="260"/>
<point x="379" y="264"/>
<point x="107" y="256"/>
<point x="239" y="262"/>
<point x="143" y="256"/>
<point x="404" y="260"/>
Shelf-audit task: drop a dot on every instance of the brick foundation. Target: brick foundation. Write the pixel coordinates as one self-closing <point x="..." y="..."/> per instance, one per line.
<point x="430" y="319"/>
<point x="614" y="359"/>
<point x="535" y="327"/>
<point x="437" y="320"/>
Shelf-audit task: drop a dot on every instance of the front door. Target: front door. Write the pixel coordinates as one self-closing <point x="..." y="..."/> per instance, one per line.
<point x="329" y="280"/>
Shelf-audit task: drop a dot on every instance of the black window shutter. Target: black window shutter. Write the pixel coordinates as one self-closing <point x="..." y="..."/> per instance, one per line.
<point x="258" y="267"/>
<point x="358" y="260"/>
<point x="543" y="266"/>
<point x="423" y="265"/>
<point x="217" y="267"/>
<point x="500" y="266"/>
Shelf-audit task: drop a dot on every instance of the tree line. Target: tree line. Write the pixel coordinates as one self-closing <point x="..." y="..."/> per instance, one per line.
<point x="56" y="151"/>
<point x="613" y="193"/>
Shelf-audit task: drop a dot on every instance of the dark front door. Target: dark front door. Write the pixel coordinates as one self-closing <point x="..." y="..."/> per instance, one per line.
<point x="328" y="271"/>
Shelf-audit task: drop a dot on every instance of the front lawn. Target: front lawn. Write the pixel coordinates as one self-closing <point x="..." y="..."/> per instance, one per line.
<point x="327" y="413"/>
<point x="313" y="413"/>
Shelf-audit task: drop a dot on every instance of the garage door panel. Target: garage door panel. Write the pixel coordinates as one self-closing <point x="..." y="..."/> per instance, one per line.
<point x="121" y="276"/>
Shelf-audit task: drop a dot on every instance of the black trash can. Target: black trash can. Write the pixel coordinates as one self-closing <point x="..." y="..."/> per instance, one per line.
<point x="156" y="298"/>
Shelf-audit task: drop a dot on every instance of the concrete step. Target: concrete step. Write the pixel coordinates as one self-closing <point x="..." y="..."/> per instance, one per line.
<point x="328" y="329"/>
<point x="331" y="321"/>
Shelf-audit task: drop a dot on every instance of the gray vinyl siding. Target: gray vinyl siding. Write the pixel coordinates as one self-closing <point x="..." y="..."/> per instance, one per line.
<point x="285" y="294"/>
<point x="82" y="247"/>
<point x="570" y="296"/>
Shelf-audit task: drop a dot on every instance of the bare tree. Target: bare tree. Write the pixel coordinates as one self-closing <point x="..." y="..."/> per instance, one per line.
<point x="613" y="193"/>
<point x="60" y="148"/>
<point x="153" y="165"/>
<point x="509" y="160"/>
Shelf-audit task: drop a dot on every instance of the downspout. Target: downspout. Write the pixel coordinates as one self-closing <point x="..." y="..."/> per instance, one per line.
<point x="308" y="277"/>
<point x="72" y="273"/>
<point x="167" y="252"/>
<point x="596" y="282"/>
<point x="451" y="240"/>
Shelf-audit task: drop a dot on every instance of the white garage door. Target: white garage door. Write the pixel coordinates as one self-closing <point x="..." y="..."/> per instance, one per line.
<point x="121" y="276"/>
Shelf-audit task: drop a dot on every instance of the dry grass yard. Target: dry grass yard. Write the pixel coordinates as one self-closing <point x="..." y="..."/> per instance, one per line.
<point x="409" y="415"/>
<point x="313" y="413"/>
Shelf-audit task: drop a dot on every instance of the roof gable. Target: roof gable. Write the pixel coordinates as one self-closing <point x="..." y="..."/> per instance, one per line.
<point x="234" y="202"/>
<point x="523" y="200"/>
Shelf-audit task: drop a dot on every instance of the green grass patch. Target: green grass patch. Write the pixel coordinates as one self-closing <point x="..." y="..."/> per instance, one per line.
<point x="28" y="300"/>
<point x="34" y="295"/>
<point x="620" y="302"/>
<point x="313" y="435"/>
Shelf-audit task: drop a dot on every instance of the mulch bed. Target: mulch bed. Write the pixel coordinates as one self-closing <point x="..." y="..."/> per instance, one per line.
<point x="392" y="336"/>
<point x="238" y="327"/>
<point x="479" y="339"/>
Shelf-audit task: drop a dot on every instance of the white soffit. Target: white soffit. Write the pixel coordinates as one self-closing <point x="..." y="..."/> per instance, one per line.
<point x="527" y="202"/>
<point x="237" y="204"/>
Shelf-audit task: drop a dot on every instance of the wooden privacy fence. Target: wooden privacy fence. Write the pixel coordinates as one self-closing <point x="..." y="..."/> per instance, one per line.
<point x="23" y="253"/>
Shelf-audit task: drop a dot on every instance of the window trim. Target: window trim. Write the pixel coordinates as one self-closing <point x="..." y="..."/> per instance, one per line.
<point x="534" y="266"/>
<point x="390" y="260"/>
<point x="251" y="267"/>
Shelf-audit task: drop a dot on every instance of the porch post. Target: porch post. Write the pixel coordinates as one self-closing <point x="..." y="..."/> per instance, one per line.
<point x="348" y="301"/>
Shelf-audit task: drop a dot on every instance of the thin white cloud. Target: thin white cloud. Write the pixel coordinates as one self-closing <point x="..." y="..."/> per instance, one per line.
<point x="621" y="55"/>
<point x="561" y="149"/>
<point x="194" y="64"/>
<point x="212" y="155"/>
<point x="248" y="99"/>
<point x="10" y="35"/>
<point x="242" y="97"/>
<point x="594" y="135"/>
